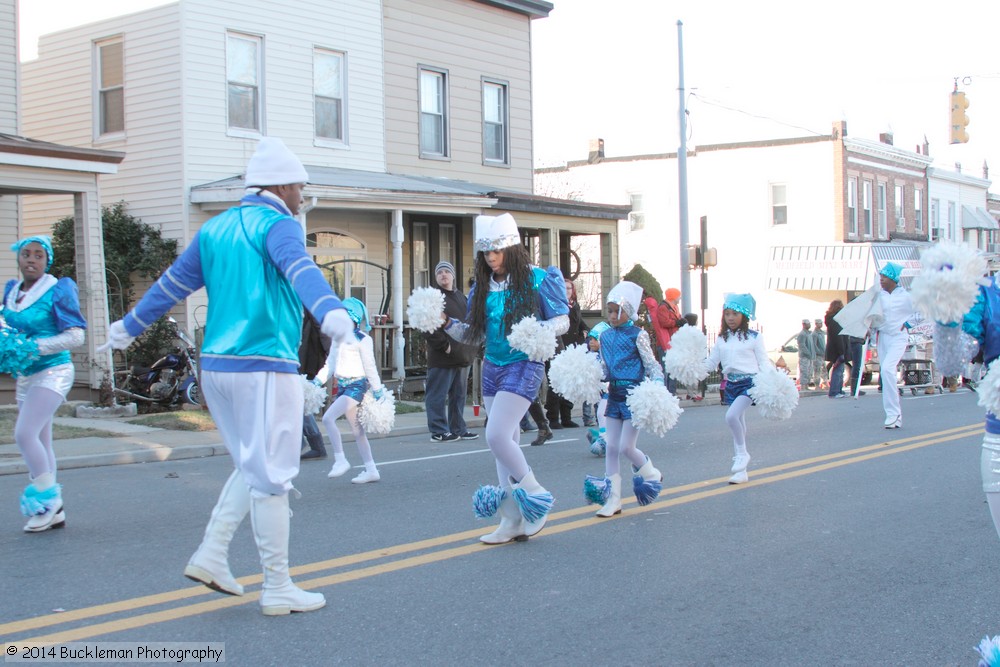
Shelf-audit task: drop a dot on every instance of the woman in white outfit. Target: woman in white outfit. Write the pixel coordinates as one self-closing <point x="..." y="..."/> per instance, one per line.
<point x="898" y="311"/>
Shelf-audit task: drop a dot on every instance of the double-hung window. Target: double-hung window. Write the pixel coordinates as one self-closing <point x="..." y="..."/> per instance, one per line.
<point x="900" y="219"/>
<point x="779" y="204"/>
<point x="852" y="207"/>
<point x="883" y="230"/>
<point x="328" y="94"/>
<point x="243" y="79"/>
<point x="496" y="140"/>
<point x="918" y="210"/>
<point x="433" y="113"/>
<point x="867" y="193"/>
<point x="110" y="87"/>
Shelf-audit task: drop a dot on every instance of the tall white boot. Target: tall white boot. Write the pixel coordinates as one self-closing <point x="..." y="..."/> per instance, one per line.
<point x="533" y="501"/>
<point x="210" y="563"/>
<point x="511" y="528"/>
<point x="271" y="523"/>
<point x="613" y="505"/>
<point x="42" y="503"/>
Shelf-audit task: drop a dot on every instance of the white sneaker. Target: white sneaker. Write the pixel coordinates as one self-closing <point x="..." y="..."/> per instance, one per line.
<point x="898" y="423"/>
<point x="740" y="462"/>
<point x="366" y="477"/>
<point x="340" y="466"/>
<point x="42" y="522"/>
<point x="739" y="478"/>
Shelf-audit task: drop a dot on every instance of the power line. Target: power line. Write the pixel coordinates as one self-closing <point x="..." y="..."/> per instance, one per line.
<point x="721" y="105"/>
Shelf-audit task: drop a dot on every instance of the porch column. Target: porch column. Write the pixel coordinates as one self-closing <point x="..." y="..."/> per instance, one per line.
<point x="396" y="237"/>
<point x="92" y="281"/>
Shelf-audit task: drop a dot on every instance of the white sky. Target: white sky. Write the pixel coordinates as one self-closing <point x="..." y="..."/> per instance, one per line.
<point x="608" y="69"/>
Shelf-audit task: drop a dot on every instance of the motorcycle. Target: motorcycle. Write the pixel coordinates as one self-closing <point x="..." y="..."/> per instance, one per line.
<point x="170" y="381"/>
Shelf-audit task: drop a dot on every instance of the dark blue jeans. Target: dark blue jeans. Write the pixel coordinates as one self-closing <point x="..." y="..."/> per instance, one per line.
<point x="444" y="399"/>
<point x="837" y="377"/>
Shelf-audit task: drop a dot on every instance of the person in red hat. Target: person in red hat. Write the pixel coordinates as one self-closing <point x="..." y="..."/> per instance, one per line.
<point x="666" y="319"/>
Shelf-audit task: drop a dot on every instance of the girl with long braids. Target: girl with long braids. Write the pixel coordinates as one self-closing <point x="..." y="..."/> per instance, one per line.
<point x="742" y="355"/>
<point x="47" y="311"/>
<point x="508" y="289"/>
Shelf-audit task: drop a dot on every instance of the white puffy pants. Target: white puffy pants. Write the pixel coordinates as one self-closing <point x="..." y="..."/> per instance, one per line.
<point x="259" y="416"/>
<point x="890" y="351"/>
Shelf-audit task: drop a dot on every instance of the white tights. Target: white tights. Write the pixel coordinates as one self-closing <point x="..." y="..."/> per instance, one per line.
<point x="737" y="421"/>
<point x="503" y="434"/>
<point x="621" y="437"/>
<point x="347" y="406"/>
<point x="33" y="430"/>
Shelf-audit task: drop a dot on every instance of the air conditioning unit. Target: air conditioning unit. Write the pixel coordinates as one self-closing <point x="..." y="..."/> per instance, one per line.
<point x="935" y="233"/>
<point x="993" y="248"/>
<point x="637" y="221"/>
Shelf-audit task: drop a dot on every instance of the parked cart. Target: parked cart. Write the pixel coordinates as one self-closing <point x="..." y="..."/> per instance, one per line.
<point x="916" y="368"/>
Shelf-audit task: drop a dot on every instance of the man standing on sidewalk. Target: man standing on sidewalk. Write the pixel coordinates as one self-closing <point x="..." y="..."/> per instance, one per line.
<point x="807" y="356"/>
<point x="448" y="364"/>
<point x="252" y="261"/>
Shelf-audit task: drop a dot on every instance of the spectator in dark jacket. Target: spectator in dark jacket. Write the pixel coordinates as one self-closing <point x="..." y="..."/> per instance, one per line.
<point x="313" y="351"/>
<point x="558" y="410"/>
<point x="448" y="363"/>
<point x="836" y="349"/>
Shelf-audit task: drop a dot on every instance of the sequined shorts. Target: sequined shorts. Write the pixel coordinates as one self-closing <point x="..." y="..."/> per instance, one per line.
<point x="57" y="378"/>
<point x="523" y="378"/>
<point x="352" y="388"/>
<point x="737" y="388"/>
<point x="617" y="402"/>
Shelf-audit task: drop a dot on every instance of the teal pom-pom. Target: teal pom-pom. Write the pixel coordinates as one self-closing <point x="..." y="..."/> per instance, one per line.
<point x="989" y="651"/>
<point x="596" y="489"/>
<point x="534" y="507"/>
<point x="486" y="500"/>
<point x="645" y="490"/>
<point x="35" y="502"/>
<point x="598" y="447"/>
<point x="17" y="351"/>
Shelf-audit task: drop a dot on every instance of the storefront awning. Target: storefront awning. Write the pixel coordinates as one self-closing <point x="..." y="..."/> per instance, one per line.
<point x="977" y="217"/>
<point x="840" y="267"/>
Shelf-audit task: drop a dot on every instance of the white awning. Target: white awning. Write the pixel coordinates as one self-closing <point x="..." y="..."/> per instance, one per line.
<point x="977" y="217"/>
<point x="837" y="267"/>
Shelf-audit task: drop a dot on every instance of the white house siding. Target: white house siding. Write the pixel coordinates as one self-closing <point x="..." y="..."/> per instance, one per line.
<point x="59" y="107"/>
<point x="470" y="40"/>
<point x="962" y="190"/>
<point x="8" y="67"/>
<point x="732" y="188"/>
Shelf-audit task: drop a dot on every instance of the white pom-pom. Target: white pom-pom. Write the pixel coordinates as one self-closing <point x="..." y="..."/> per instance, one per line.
<point x="575" y="374"/>
<point x="949" y="280"/>
<point x="989" y="389"/>
<point x="377" y="416"/>
<point x="424" y="309"/>
<point x="685" y="360"/>
<point x="774" y="393"/>
<point x="533" y="338"/>
<point x="654" y="409"/>
<point x="314" y="395"/>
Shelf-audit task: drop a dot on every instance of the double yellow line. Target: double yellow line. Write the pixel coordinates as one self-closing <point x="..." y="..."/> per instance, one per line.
<point x="559" y="522"/>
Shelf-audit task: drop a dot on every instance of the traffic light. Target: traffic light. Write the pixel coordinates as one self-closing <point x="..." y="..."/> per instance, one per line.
<point x="959" y="121"/>
<point x="693" y="256"/>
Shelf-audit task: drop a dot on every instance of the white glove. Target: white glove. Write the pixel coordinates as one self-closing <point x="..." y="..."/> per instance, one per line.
<point x="337" y="324"/>
<point x="118" y="338"/>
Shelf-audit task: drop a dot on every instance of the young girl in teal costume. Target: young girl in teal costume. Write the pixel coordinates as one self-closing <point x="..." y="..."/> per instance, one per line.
<point x="356" y="372"/>
<point x="46" y="310"/>
<point x="507" y="290"/>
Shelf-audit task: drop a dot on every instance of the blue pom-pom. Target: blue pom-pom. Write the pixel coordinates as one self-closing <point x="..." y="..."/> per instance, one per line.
<point x="486" y="500"/>
<point x="17" y="351"/>
<point x="596" y="490"/>
<point x="35" y="502"/>
<point x="645" y="490"/>
<point x="534" y="507"/>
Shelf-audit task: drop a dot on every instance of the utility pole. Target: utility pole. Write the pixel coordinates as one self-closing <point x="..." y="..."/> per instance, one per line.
<point x="682" y="178"/>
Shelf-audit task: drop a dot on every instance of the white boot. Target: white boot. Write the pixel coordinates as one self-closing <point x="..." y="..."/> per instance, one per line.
<point x="210" y="563"/>
<point x="511" y="528"/>
<point x="42" y="503"/>
<point x="278" y="595"/>
<point x="613" y="505"/>
<point x="533" y="501"/>
<point x="646" y="482"/>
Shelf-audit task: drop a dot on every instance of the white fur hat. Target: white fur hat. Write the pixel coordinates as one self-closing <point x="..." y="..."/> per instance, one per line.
<point x="628" y="296"/>
<point x="274" y="164"/>
<point x="495" y="232"/>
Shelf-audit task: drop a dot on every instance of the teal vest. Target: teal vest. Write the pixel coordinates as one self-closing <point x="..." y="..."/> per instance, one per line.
<point x="37" y="321"/>
<point x="254" y="315"/>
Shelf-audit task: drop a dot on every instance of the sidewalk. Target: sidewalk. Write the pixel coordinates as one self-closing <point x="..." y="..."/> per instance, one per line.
<point x="143" y="444"/>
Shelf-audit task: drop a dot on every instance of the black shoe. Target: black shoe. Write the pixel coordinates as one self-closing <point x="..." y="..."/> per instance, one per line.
<point x="569" y="423"/>
<point x="555" y="425"/>
<point x="444" y="437"/>
<point x="469" y="435"/>
<point x="543" y="435"/>
<point x="312" y="454"/>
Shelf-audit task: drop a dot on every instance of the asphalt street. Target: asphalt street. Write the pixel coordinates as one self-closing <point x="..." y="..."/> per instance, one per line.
<point x="850" y="545"/>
